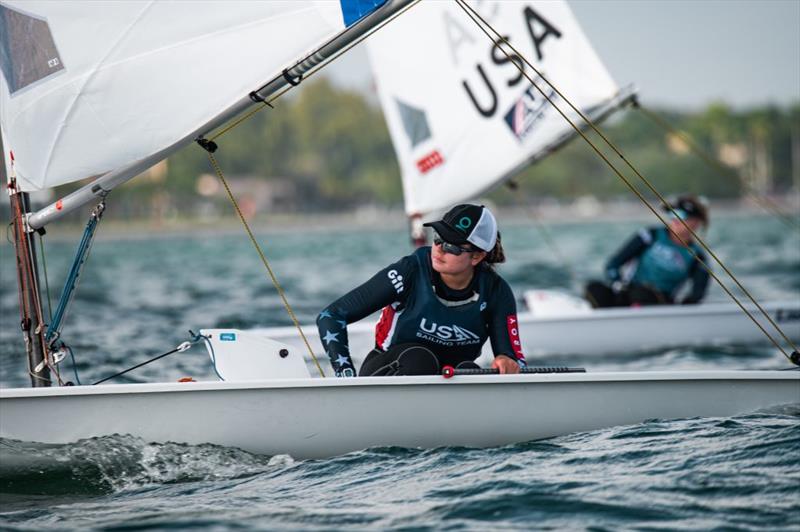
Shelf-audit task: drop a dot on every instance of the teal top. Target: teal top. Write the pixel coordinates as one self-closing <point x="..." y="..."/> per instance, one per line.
<point x="665" y="265"/>
<point x="661" y="264"/>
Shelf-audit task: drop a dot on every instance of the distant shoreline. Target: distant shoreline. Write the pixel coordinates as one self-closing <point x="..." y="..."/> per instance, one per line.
<point x="371" y="217"/>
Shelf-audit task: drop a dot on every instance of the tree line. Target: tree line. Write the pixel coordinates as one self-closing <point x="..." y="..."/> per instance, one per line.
<point x="332" y="149"/>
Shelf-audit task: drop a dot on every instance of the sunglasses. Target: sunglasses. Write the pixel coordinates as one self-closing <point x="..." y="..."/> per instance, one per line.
<point x="679" y="214"/>
<point x="447" y="247"/>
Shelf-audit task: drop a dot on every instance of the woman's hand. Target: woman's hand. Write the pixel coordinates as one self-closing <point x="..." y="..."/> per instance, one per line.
<point x="505" y="364"/>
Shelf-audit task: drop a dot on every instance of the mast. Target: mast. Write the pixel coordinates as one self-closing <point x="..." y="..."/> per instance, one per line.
<point x="30" y="305"/>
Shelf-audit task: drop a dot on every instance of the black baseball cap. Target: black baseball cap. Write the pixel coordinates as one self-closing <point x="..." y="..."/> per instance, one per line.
<point x="468" y="224"/>
<point x="691" y="206"/>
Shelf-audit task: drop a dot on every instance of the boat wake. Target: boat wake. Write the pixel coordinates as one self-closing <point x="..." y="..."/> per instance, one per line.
<point x="112" y="464"/>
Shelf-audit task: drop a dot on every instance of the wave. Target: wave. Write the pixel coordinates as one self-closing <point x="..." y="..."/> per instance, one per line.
<point x="110" y="464"/>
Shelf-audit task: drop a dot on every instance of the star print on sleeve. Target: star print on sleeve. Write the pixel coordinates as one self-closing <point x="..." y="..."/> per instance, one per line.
<point x="330" y="337"/>
<point x="342" y="323"/>
<point x="324" y="314"/>
<point x="343" y="361"/>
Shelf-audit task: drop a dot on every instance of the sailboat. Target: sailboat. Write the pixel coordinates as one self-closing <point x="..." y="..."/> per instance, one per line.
<point x="105" y="91"/>
<point x="467" y="121"/>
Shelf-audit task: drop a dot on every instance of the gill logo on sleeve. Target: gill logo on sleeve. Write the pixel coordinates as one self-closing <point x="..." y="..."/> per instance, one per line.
<point x="396" y="279"/>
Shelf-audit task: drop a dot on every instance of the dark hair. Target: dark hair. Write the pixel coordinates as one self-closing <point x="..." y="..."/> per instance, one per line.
<point x="496" y="255"/>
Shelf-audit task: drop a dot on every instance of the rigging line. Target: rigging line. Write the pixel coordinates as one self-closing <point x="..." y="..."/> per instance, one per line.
<point x="180" y="349"/>
<point x="264" y="260"/>
<point x="75" y="273"/>
<point x="765" y="203"/>
<point x="469" y="11"/>
<point x="313" y="71"/>
<point x="551" y="243"/>
<point x="46" y="280"/>
<point x="548" y="239"/>
<point x="41" y="330"/>
<point x="241" y="119"/>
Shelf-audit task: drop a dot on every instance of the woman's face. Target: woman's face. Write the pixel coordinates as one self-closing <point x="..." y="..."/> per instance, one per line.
<point x="449" y="264"/>
<point x="679" y="230"/>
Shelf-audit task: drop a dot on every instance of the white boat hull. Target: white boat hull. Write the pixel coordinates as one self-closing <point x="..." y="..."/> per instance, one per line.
<point x="604" y="331"/>
<point x="310" y="418"/>
<point x="619" y="330"/>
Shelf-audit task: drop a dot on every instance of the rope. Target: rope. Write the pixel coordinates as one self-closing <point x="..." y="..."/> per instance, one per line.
<point x="181" y="348"/>
<point x="74" y="364"/>
<point x="75" y="272"/>
<point x="724" y="171"/>
<point x="46" y="280"/>
<point x="475" y="17"/>
<point x="264" y="261"/>
<point x="50" y="307"/>
<point x="548" y="239"/>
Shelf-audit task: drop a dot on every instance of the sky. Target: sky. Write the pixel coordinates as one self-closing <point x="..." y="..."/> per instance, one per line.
<point x="679" y="53"/>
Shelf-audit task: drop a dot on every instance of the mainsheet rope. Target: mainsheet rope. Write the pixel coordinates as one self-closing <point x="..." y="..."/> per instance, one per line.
<point x="475" y="17"/>
<point x="264" y="261"/>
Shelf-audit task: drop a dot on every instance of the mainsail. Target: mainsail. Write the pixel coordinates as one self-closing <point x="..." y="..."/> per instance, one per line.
<point x="90" y="87"/>
<point x="461" y="115"/>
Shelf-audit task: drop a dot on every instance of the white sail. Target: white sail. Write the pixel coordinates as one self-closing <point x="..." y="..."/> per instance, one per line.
<point x="88" y="87"/>
<point x="461" y="116"/>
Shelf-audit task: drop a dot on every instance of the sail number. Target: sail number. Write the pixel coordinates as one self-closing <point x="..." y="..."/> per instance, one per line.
<point x="485" y="99"/>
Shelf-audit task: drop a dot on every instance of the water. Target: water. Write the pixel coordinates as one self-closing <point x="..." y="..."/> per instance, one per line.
<point x="139" y="296"/>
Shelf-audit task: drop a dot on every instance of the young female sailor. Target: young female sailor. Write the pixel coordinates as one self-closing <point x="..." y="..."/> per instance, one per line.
<point x="661" y="263"/>
<point x="440" y="304"/>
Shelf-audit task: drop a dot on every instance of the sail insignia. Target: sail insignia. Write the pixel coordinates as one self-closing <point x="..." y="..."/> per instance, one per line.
<point x="352" y="10"/>
<point x="524" y="114"/>
<point x="415" y="123"/>
<point x="28" y="52"/>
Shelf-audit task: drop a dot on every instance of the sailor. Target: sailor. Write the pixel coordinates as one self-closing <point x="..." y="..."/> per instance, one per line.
<point x="439" y="305"/>
<point x="655" y="266"/>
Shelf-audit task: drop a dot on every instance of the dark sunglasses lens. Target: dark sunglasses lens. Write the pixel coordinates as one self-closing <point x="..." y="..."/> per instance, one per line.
<point x="447" y="247"/>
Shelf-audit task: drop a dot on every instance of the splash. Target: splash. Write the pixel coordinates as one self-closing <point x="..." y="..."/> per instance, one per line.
<point x="110" y="464"/>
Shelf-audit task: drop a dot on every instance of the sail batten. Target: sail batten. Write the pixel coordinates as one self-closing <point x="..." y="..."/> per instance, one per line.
<point x="461" y="115"/>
